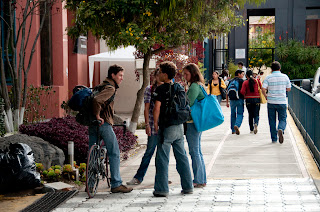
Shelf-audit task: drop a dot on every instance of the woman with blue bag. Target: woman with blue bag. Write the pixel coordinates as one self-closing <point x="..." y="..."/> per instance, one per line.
<point x="195" y="81"/>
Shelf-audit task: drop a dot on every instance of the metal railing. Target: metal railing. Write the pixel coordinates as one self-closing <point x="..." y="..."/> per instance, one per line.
<point x="305" y="110"/>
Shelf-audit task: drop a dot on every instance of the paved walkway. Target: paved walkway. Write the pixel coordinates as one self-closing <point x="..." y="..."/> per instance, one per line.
<point x="245" y="172"/>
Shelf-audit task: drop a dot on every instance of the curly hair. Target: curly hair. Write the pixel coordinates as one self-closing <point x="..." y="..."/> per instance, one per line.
<point x="168" y="68"/>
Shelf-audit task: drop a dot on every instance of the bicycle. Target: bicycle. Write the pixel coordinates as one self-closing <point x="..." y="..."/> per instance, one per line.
<point x="97" y="165"/>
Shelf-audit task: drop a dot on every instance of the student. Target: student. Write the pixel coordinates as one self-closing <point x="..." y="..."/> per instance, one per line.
<point x="277" y="84"/>
<point x="195" y="80"/>
<point x="152" y="135"/>
<point x="243" y="68"/>
<point x="169" y="136"/>
<point x="236" y="101"/>
<point x="215" y="84"/>
<point x="251" y="94"/>
<point x="104" y="113"/>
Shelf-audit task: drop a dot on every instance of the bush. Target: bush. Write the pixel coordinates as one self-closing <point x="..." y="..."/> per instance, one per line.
<point x="297" y="60"/>
<point x="58" y="131"/>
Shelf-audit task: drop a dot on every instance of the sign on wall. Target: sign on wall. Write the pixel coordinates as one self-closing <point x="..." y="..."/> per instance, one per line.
<point x="240" y="53"/>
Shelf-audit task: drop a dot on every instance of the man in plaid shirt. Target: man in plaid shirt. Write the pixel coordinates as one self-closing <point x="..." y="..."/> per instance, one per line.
<point x="150" y="131"/>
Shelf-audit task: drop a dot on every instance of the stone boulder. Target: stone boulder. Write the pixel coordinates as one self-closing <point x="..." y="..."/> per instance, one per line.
<point x="44" y="152"/>
<point x="117" y="119"/>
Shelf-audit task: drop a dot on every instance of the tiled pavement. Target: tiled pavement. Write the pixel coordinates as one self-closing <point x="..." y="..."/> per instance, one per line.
<point x="287" y="194"/>
<point x="245" y="173"/>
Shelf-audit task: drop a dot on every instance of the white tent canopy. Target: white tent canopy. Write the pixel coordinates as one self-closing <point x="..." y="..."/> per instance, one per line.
<point x="121" y="54"/>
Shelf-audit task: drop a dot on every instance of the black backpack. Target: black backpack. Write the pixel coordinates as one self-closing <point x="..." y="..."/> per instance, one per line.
<point x="85" y="116"/>
<point x="177" y="110"/>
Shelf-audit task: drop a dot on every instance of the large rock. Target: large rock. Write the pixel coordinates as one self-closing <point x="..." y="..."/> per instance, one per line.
<point x="44" y="152"/>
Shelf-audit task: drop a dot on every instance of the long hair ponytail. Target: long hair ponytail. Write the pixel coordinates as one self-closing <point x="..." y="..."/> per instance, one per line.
<point x="251" y="80"/>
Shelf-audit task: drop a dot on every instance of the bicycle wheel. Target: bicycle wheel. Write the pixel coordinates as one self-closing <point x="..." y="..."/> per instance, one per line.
<point x="92" y="171"/>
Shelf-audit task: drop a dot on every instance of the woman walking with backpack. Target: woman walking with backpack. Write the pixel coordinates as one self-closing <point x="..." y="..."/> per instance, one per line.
<point x="251" y="94"/>
<point x="195" y="79"/>
<point x="216" y="86"/>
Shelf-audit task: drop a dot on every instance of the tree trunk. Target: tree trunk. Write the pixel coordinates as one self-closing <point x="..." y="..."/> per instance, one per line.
<point x="137" y="107"/>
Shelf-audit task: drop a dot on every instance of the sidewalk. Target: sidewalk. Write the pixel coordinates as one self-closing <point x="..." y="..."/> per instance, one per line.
<point x="245" y="172"/>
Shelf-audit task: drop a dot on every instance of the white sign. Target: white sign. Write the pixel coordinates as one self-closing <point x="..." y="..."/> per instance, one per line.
<point x="240" y="53"/>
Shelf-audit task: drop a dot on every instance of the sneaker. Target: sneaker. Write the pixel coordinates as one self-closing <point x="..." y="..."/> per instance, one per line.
<point x="251" y="132"/>
<point x="134" y="181"/>
<point x="280" y="134"/>
<point x="159" y="194"/>
<point x="255" y="129"/>
<point x="187" y="192"/>
<point x="236" y="128"/>
<point x="233" y="132"/>
<point x="121" y="189"/>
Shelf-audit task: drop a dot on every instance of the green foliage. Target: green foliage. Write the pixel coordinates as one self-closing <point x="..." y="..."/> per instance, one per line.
<point x="58" y="173"/>
<point x="37" y="102"/>
<point x="168" y="23"/>
<point x="2" y="128"/>
<point x="297" y="60"/>
<point x="232" y="68"/>
<point x="259" y="57"/>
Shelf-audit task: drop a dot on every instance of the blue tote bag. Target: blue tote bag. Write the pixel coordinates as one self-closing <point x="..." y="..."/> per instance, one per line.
<point x="206" y="113"/>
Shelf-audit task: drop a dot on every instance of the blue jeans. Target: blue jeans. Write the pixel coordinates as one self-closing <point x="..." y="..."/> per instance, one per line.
<point x="110" y="140"/>
<point x="172" y="136"/>
<point x="151" y="146"/>
<point x="273" y="109"/>
<point x="237" y="109"/>
<point x="219" y="98"/>
<point x="194" y="143"/>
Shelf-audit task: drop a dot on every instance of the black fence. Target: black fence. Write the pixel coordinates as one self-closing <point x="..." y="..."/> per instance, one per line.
<point x="305" y="110"/>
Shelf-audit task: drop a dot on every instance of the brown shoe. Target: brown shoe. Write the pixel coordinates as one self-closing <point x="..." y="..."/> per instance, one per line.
<point x="121" y="189"/>
<point x="280" y="134"/>
<point x="236" y="128"/>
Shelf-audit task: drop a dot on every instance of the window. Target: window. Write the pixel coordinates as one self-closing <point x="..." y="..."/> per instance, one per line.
<point x="313" y="27"/>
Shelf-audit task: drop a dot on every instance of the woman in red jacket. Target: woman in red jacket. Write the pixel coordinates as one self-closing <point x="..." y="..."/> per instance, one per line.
<point x="251" y="94"/>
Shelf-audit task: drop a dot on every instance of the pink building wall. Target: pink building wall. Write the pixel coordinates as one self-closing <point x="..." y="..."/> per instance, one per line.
<point x="69" y="69"/>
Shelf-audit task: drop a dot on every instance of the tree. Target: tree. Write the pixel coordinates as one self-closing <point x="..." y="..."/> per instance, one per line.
<point x="153" y="25"/>
<point x="17" y="18"/>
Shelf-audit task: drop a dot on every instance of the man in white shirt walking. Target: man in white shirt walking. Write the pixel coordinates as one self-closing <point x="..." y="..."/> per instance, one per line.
<point x="277" y="85"/>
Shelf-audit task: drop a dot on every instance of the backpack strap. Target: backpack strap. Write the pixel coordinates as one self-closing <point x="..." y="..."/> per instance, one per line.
<point x="219" y="82"/>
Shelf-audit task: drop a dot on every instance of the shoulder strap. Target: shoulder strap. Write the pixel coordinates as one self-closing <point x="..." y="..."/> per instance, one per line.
<point x="219" y="82"/>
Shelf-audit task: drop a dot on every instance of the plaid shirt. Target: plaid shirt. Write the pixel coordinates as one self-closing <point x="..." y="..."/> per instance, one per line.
<point x="148" y="99"/>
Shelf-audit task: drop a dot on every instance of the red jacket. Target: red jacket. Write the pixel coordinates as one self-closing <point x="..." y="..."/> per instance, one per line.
<point x="245" y="90"/>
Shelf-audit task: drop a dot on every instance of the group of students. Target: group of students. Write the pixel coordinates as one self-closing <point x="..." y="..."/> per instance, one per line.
<point x="156" y="98"/>
<point x="276" y="84"/>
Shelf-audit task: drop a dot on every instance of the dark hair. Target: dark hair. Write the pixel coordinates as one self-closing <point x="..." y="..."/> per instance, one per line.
<point x="196" y="75"/>
<point x="249" y="75"/>
<point x="240" y="63"/>
<point x="224" y="73"/>
<point x="154" y="83"/>
<point x="239" y="71"/>
<point x="275" y="66"/>
<point x="114" y="69"/>
<point x="168" y="68"/>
